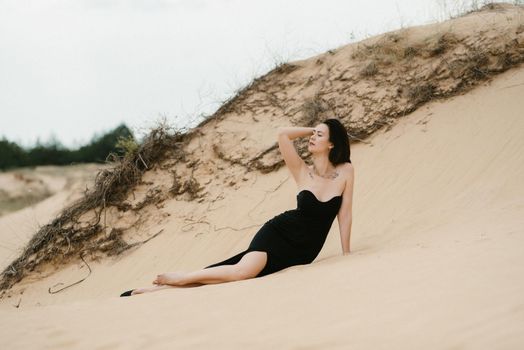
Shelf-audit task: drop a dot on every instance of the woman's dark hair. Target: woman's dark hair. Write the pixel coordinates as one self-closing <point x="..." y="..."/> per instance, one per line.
<point x="338" y="135"/>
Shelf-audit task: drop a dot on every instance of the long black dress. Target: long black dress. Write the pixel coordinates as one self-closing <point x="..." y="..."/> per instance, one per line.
<point x="294" y="237"/>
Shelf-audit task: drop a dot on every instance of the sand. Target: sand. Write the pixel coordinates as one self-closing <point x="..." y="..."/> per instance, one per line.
<point x="42" y="192"/>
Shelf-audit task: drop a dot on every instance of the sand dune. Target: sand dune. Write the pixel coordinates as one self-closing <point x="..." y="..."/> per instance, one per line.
<point x="436" y="263"/>
<point x="437" y="257"/>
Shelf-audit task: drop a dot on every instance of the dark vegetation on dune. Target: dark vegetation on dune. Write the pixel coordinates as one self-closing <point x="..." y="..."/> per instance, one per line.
<point x="54" y="153"/>
<point x="411" y="73"/>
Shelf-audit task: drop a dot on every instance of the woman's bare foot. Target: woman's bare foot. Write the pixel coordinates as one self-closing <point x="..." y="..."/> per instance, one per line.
<point x="148" y="289"/>
<point x="170" y="278"/>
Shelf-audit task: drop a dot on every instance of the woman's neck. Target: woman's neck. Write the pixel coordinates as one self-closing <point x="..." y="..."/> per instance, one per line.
<point x="322" y="164"/>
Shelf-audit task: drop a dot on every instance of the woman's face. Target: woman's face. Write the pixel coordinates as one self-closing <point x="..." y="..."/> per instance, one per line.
<point x="319" y="141"/>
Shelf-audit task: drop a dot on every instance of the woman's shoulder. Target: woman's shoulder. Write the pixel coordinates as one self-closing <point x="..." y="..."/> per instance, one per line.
<point x="347" y="171"/>
<point x="346" y="167"/>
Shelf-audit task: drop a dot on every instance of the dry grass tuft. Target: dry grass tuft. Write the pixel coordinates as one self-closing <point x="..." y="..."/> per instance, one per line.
<point x="312" y="110"/>
<point x="393" y="48"/>
<point x="369" y="69"/>
<point x="473" y="66"/>
<point x="387" y="50"/>
<point x="420" y="93"/>
<point x="438" y="44"/>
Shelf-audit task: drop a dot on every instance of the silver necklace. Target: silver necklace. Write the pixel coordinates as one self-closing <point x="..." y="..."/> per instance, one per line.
<point x="330" y="176"/>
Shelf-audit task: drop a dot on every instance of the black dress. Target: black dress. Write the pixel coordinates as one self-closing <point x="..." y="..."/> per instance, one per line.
<point x="294" y="237"/>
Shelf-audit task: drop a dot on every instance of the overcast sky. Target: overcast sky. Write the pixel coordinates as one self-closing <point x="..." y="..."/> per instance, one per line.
<point x="72" y="69"/>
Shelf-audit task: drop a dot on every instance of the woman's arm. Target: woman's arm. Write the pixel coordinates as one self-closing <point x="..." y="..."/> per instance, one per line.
<point x="295" y="164"/>
<point x="292" y="132"/>
<point x="345" y="213"/>
<point x="345" y="236"/>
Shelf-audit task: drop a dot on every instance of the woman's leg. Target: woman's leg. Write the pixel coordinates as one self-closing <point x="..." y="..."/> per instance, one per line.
<point x="248" y="267"/>
<point x="159" y="287"/>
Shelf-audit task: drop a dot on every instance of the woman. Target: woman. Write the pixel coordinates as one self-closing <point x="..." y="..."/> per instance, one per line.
<point x="294" y="237"/>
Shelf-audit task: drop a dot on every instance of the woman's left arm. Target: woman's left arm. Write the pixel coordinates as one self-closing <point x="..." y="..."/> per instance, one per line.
<point x="345" y="213"/>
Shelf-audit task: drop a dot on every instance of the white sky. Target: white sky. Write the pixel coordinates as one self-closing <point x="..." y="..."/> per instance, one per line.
<point x="72" y="69"/>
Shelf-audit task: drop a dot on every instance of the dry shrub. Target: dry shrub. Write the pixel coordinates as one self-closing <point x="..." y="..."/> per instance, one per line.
<point x="477" y="63"/>
<point x="420" y="93"/>
<point x="369" y="70"/>
<point x="312" y="110"/>
<point x="438" y="44"/>
<point x="66" y="236"/>
<point x="411" y="51"/>
<point x="389" y="49"/>
<point x="393" y="48"/>
<point x="472" y="66"/>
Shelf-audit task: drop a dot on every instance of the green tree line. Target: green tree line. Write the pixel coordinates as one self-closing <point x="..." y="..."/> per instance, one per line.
<point x="54" y="153"/>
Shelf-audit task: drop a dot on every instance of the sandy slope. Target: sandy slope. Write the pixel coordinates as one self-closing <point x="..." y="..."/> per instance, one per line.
<point x="437" y="258"/>
<point x="45" y="191"/>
